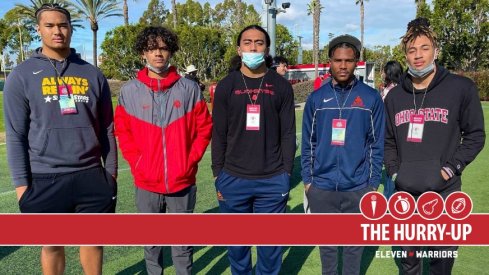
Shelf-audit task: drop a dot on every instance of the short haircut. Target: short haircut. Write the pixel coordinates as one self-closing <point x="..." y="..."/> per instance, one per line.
<point x="344" y="45"/>
<point x="148" y="39"/>
<point x="277" y="60"/>
<point x="51" y="7"/>
<point x="416" y="28"/>
<point x="254" y="27"/>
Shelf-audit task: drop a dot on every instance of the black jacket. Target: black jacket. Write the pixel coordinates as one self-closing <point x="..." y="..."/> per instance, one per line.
<point x="453" y="132"/>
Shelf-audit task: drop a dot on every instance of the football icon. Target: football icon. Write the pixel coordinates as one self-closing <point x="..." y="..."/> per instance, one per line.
<point x="458" y="205"/>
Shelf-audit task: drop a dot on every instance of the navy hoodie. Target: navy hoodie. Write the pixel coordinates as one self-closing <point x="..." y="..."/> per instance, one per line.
<point x="453" y="132"/>
<point x="42" y="140"/>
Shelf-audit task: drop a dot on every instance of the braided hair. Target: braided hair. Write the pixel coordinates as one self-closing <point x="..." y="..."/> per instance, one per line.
<point x="416" y="28"/>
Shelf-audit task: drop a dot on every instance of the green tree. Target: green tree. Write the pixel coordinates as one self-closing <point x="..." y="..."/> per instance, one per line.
<point x="422" y="8"/>
<point x="225" y="15"/>
<point x="399" y="55"/>
<point x="239" y="12"/>
<point x="379" y="55"/>
<point x="155" y="14"/>
<point x="120" y="59"/>
<point x="94" y="11"/>
<point x="190" y="13"/>
<point x="204" y="47"/>
<point x="17" y="35"/>
<point x="463" y="32"/>
<point x="286" y="45"/>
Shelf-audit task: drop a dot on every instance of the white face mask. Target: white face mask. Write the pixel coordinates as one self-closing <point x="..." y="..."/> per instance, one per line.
<point x="425" y="71"/>
<point x="158" y="70"/>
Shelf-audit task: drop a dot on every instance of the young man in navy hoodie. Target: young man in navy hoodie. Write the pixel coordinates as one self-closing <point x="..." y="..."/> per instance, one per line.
<point x="342" y="145"/>
<point x="448" y="108"/>
<point x="61" y="149"/>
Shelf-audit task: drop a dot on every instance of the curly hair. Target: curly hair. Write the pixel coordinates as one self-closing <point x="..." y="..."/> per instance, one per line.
<point x="416" y="28"/>
<point x="148" y="39"/>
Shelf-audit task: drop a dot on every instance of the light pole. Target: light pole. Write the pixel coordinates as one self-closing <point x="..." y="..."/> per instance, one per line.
<point x="299" y="50"/>
<point x="272" y="12"/>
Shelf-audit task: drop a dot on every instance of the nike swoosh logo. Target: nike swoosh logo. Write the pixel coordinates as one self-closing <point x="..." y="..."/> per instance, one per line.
<point x="37" y="72"/>
<point x="283" y="195"/>
<point x="327" y="100"/>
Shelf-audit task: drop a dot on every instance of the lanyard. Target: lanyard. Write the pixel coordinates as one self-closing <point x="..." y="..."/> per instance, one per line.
<point x="259" y="89"/>
<point x="59" y="76"/>
<point x="422" y="101"/>
<point x="344" y="102"/>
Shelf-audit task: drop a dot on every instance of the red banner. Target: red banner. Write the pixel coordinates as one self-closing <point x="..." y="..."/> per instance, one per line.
<point x="236" y="229"/>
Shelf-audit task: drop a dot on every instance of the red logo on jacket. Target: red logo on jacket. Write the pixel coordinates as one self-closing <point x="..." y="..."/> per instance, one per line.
<point x="358" y="102"/>
<point x="177" y="104"/>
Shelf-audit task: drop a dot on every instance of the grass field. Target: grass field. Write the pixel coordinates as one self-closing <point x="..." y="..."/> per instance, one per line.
<point x="213" y="260"/>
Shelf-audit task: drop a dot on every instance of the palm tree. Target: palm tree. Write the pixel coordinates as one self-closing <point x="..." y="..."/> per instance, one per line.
<point x="362" y="26"/>
<point x="174" y="13"/>
<point x="27" y="12"/>
<point x="125" y="11"/>
<point x="315" y="8"/>
<point x="94" y="11"/>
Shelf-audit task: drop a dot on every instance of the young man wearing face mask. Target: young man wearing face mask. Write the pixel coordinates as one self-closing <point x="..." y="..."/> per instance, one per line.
<point x="342" y="146"/>
<point x="253" y="144"/>
<point x="445" y="110"/>
<point x="163" y="127"/>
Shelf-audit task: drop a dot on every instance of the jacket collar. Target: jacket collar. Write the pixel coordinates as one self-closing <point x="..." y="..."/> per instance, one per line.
<point x="157" y="85"/>
<point x="350" y="85"/>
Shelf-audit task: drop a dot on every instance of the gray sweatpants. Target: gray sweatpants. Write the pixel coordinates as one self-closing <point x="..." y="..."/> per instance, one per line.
<point x="322" y="201"/>
<point x="180" y="202"/>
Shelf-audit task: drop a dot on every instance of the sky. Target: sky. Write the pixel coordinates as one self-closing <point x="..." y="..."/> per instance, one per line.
<point x="385" y="20"/>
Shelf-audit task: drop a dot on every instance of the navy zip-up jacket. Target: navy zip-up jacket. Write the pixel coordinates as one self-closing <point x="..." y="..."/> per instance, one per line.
<point x="356" y="164"/>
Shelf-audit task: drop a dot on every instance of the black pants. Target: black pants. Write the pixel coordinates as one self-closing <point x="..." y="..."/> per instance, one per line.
<point x="414" y="265"/>
<point x="323" y="201"/>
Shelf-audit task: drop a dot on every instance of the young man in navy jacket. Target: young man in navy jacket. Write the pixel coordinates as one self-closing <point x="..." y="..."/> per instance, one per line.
<point x="342" y="145"/>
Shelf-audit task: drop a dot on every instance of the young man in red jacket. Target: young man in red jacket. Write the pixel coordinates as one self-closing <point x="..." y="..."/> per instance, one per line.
<point x="163" y="127"/>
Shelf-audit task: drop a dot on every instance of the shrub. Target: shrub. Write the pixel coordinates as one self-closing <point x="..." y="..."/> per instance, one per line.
<point x="481" y="79"/>
<point x="302" y="90"/>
